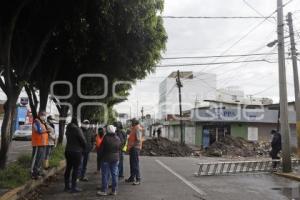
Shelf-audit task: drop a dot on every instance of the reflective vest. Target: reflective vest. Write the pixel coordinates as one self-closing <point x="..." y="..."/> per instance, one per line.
<point x="99" y="141"/>
<point x="39" y="134"/>
<point x="132" y="139"/>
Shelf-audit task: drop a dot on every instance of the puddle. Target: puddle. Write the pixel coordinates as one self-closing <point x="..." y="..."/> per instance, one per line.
<point x="292" y="193"/>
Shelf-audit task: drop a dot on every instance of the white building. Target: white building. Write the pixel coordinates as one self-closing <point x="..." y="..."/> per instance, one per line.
<point x="235" y="94"/>
<point x="196" y="87"/>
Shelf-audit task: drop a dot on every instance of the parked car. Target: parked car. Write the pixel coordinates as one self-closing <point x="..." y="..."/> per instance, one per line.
<point x="24" y="133"/>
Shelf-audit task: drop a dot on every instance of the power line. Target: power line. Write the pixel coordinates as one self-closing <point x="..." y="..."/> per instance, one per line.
<point x="213" y="63"/>
<point x="215" y="17"/>
<point x="222" y="56"/>
<point x="236" y="71"/>
<point x="255" y="10"/>
<point x="245" y="35"/>
<point x="264" y="90"/>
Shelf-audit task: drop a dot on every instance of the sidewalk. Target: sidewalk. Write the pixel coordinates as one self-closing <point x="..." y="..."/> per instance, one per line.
<point x="294" y="175"/>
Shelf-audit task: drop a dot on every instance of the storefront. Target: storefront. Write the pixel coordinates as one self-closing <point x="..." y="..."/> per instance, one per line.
<point x="250" y="124"/>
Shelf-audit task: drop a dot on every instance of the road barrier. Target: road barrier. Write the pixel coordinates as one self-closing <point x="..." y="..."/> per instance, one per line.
<point x="234" y="167"/>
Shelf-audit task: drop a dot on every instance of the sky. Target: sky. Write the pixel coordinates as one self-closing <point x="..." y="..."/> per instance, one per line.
<point x="214" y="37"/>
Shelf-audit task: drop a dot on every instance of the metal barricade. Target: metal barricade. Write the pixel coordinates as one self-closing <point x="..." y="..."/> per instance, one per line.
<point x="234" y="167"/>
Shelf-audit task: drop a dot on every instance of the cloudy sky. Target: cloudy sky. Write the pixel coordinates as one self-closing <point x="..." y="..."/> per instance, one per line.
<point x="213" y="37"/>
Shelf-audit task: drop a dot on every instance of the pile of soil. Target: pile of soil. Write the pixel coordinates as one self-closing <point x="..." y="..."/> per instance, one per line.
<point x="165" y="147"/>
<point x="236" y="146"/>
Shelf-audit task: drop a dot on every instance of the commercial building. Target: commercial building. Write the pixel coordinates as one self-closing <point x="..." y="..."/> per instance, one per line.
<point x="251" y="122"/>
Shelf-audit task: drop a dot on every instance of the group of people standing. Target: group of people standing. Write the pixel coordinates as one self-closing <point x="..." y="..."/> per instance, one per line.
<point x="109" y="142"/>
<point x="43" y="140"/>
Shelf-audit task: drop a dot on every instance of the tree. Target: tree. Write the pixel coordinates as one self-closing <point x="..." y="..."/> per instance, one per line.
<point x="120" y="39"/>
<point x="25" y="29"/>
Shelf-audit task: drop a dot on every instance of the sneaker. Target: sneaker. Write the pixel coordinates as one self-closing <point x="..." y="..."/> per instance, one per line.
<point x="84" y="179"/>
<point x="113" y="193"/>
<point x="100" y="193"/>
<point x="136" y="183"/>
<point x="76" y="190"/>
<point x="129" y="180"/>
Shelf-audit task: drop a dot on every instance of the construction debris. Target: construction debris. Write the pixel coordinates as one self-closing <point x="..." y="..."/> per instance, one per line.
<point x="236" y="146"/>
<point x="165" y="147"/>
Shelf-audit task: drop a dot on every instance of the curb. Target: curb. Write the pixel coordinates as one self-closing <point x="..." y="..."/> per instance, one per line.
<point x="30" y="185"/>
<point x="293" y="176"/>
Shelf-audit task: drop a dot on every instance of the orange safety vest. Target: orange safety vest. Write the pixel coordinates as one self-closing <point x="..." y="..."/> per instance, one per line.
<point x="39" y="139"/>
<point x="132" y="139"/>
<point x="99" y="141"/>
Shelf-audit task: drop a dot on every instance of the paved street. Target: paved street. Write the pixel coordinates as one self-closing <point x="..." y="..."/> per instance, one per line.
<point x="172" y="178"/>
<point x="18" y="148"/>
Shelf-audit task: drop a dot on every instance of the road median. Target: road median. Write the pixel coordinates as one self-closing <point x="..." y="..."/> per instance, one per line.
<point x="30" y="185"/>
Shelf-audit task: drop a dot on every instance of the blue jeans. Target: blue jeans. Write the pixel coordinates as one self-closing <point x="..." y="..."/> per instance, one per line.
<point x="109" y="169"/>
<point x="121" y="167"/>
<point x="38" y="155"/>
<point x="83" y="165"/>
<point x="134" y="164"/>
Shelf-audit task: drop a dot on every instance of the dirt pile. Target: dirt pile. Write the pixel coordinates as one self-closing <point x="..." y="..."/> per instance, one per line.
<point x="236" y="146"/>
<point x="165" y="147"/>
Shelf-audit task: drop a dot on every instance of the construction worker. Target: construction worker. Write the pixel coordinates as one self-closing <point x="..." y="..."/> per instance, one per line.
<point x="134" y="147"/>
<point x="51" y="140"/>
<point x="39" y="142"/>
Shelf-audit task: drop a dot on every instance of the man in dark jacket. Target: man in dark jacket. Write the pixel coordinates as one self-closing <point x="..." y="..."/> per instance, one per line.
<point x="159" y="132"/>
<point x="276" y="147"/>
<point x="76" y="144"/>
<point x="110" y="155"/>
<point x="90" y="139"/>
<point x="123" y="137"/>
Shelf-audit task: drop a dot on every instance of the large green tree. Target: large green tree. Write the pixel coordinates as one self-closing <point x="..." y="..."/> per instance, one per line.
<point x="25" y="29"/>
<point x="120" y="39"/>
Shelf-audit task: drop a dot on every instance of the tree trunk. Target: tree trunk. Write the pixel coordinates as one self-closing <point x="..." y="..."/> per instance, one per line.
<point x="63" y="112"/>
<point x="6" y="129"/>
<point x="32" y="105"/>
<point x="62" y="124"/>
<point x="43" y="98"/>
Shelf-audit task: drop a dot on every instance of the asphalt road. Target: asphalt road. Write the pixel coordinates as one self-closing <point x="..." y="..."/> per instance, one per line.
<point x="18" y="148"/>
<point x="172" y="178"/>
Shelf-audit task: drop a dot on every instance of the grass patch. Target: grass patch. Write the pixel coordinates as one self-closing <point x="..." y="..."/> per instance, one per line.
<point x="58" y="155"/>
<point x="17" y="173"/>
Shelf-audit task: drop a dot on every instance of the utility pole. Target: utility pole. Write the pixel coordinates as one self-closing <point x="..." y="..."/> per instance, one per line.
<point x="142" y="111"/>
<point x="179" y="85"/>
<point x="284" y="124"/>
<point x="296" y="78"/>
<point x="137" y="109"/>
